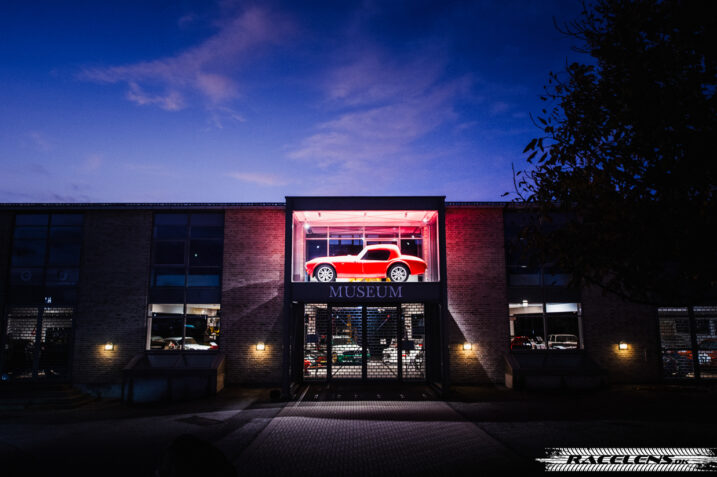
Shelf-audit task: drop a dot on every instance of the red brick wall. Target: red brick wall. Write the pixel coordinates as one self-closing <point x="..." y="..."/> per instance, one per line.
<point x="607" y="320"/>
<point x="112" y="303"/>
<point x="252" y="294"/>
<point x="477" y="294"/>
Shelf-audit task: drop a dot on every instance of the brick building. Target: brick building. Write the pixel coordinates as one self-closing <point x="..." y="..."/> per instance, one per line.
<point x="99" y="294"/>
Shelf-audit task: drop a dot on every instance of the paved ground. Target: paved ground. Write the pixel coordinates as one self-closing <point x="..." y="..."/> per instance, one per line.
<point x="352" y="430"/>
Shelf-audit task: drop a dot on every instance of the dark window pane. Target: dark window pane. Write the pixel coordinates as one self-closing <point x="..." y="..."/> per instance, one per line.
<point x="703" y="327"/>
<point x="66" y="219"/>
<point x="677" y="364"/>
<point x="31" y="219"/>
<point x="204" y="330"/>
<point x="203" y="252"/>
<point x="166" y="332"/>
<point x="170" y="219"/>
<point x="207" y="232"/>
<point x="23" y="295"/>
<point x="556" y="279"/>
<point x="378" y="255"/>
<point x="529" y="324"/>
<point x="203" y="278"/>
<point x="523" y="277"/>
<point x="64" y="254"/>
<point x="30" y="233"/>
<point x="66" y="234"/>
<point x="62" y="276"/>
<point x="214" y="219"/>
<point x="60" y="295"/>
<point x="345" y="247"/>
<point x="168" y="277"/>
<point x="26" y="276"/>
<point x="169" y="253"/>
<point x="28" y="253"/>
<point x="674" y="333"/>
<point x="65" y="245"/>
<point x="412" y="247"/>
<point x="315" y="249"/>
<point x="170" y="231"/>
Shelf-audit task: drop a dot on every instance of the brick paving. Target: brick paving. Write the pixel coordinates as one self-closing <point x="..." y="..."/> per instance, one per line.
<point x="357" y="430"/>
<point x="371" y="438"/>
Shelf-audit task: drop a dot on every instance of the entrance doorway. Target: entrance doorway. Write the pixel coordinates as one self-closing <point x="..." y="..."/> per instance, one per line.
<point x="364" y="342"/>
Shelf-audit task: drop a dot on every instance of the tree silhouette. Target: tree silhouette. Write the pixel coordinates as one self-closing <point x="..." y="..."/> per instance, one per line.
<point x="626" y="155"/>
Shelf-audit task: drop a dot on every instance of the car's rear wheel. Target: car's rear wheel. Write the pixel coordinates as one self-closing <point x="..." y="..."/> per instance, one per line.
<point x="398" y="273"/>
<point x="325" y="273"/>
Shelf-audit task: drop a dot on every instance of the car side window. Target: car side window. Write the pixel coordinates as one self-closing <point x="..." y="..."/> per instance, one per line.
<point x="377" y="255"/>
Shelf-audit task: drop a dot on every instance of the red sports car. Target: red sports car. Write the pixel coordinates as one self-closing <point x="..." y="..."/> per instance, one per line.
<point x="374" y="261"/>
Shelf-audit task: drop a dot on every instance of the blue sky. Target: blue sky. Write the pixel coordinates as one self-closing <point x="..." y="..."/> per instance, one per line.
<point x="236" y="101"/>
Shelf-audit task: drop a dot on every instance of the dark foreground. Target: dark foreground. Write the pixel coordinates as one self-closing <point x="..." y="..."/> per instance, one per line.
<point x="331" y="431"/>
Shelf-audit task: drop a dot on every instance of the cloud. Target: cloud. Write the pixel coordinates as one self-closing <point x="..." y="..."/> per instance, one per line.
<point x="39" y="141"/>
<point x="259" y="178"/>
<point x="499" y="107"/>
<point x="92" y="163"/>
<point x="386" y="107"/>
<point x="206" y="70"/>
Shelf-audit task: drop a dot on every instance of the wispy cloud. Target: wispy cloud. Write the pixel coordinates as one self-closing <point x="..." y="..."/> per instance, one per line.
<point x="384" y="107"/>
<point x="207" y="70"/>
<point x="91" y="163"/>
<point x="259" y="178"/>
<point x="39" y="141"/>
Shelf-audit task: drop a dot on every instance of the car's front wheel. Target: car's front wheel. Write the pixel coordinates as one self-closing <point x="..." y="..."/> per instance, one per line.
<point x="325" y="273"/>
<point x="398" y="273"/>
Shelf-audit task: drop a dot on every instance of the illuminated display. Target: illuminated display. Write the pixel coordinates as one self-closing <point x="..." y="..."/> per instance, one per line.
<point x="356" y="245"/>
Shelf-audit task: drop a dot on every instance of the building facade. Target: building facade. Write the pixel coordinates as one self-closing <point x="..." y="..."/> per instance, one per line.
<point x="317" y="289"/>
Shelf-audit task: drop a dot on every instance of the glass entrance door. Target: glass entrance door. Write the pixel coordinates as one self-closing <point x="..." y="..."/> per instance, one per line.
<point x="382" y="342"/>
<point x="347" y="342"/>
<point x="363" y="342"/>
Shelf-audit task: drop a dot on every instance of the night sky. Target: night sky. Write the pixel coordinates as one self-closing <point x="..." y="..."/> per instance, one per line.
<point x="180" y="101"/>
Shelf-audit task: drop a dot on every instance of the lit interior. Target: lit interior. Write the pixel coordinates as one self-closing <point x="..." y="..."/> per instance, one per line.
<point x="329" y="233"/>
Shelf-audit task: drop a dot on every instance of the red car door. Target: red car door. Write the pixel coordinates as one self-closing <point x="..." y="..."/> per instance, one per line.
<point x="375" y="263"/>
<point x="348" y="269"/>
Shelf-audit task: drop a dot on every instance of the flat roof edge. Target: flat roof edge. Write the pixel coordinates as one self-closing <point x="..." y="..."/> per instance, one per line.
<point x="141" y="205"/>
<point x="220" y="205"/>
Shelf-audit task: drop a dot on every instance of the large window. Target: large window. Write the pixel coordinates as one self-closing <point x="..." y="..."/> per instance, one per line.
<point x="185" y="281"/>
<point x="44" y="274"/>
<point x="45" y="261"/>
<point x="172" y="327"/>
<point x="523" y="267"/>
<point x="400" y="245"/>
<point x="682" y="337"/>
<point x="555" y="326"/>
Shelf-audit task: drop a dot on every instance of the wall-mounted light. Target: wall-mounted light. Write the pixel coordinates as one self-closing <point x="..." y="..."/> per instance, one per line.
<point x="109" y="346"/>
<point x="622" y="345"/>
<point x="260" y="346"/>
<point x="467" y="346"/>
<point x="525" y="303"/>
